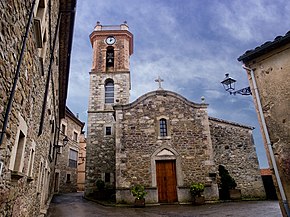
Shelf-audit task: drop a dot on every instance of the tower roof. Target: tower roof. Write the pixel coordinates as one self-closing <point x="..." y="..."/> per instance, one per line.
<point x="116" y="30"/>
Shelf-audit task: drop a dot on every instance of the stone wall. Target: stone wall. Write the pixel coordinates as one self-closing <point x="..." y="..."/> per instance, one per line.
<point x="97" y="90"/>
<point x="100" y="151"/>
<point x="234" y="148"/>
<point x="26" y="182"/>
<point x="138" y="143"/>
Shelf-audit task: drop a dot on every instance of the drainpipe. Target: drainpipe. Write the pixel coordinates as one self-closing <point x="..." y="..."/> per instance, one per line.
<point x="72" y="11"/>
<point x="49" y="75"/>
<point x="17" y="74"/>
<point x="272" y="157"/>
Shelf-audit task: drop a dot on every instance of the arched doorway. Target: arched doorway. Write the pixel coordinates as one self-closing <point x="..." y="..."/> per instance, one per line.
<point x="166" y="176"/>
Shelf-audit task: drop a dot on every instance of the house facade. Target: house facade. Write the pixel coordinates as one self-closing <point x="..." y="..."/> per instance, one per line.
<point x="161" y="140"/>
<point x="66" y="169"/>
<point x="82" y="163"/>
<point x="35" y="46"/>
<point x="268" y="65"/>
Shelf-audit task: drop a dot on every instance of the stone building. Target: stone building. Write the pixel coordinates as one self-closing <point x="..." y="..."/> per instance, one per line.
<point x="268" y="65"/>
<point x="161" y="140"/>
<point x="66" y="174"/>
<point x="82" y="163"/>
<point x="35" y="46"/>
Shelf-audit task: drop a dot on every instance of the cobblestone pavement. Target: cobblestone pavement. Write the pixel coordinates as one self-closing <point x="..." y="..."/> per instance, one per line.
<point x="73" y="205"/>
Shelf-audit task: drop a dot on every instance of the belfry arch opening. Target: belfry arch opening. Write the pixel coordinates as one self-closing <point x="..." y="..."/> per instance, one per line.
<point x="110" y="58"/>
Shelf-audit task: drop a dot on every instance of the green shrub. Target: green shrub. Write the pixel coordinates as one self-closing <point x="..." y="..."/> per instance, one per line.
<point x="100" y="184"/>
<point x="138" y="191"/>
<point x="196" y="189"/>
<point x="226" y="181"/>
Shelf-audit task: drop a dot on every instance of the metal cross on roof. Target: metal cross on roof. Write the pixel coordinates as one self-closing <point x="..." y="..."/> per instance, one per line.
<point x="159" y="80"/>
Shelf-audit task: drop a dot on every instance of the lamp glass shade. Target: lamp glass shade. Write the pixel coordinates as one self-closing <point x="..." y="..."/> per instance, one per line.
<point x="228" y="83"/>
<point x="65" y="141"/>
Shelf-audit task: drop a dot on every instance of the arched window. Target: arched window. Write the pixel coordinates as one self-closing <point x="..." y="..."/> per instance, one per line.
<point x="110" y="57"/>
<point x="163" y="127"/>
<point x="109" y="91"/>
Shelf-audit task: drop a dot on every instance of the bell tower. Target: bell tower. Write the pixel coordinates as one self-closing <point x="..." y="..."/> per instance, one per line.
<point x="109" y="85"/>
<point x="110" y="74"/>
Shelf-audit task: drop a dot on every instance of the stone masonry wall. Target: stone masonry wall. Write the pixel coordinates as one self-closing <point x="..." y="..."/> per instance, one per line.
<point x="234" y="148"/>
<point x="137" y="138"/>
<point x="25" y="194"/>
<point x="97" y="90"/>
<point x="100" y="151"/>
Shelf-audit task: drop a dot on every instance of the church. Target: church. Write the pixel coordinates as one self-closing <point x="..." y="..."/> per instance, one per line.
<point x="161" y="140"/>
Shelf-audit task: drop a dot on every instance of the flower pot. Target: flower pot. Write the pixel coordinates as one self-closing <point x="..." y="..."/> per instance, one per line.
<point x="198" y="200"/>
<point x="235" y="194"/>
<point x="139" y="202"/>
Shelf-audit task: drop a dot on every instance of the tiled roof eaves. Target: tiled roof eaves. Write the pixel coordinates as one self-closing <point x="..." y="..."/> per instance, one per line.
<point x="266" y="47"/>
<point x="66" y="28"/>
<point x="232" y="123"/>
<point x="69" y="113"/>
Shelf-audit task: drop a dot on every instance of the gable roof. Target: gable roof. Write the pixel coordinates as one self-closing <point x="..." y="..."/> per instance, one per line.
<point x="265" y="48"/>
<point x="162" y="93"/>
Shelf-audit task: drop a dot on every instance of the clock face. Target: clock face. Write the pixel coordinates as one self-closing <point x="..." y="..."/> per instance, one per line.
<point x="110" y="40"/>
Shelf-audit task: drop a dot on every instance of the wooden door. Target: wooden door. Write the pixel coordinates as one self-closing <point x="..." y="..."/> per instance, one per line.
<point x="166" y="181"/>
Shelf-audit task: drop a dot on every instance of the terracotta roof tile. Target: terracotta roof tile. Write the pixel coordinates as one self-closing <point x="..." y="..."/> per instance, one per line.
<point x="266" y="172"/>
<point x="266" y="47"/>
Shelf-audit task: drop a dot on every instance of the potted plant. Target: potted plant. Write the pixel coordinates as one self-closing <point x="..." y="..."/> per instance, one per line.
<point x="100" y="191"/>
<point x="228" y="185"/>
<point x="196" y="190"/>
<point x="138" y="191"/>
<point x="100" y="185"/>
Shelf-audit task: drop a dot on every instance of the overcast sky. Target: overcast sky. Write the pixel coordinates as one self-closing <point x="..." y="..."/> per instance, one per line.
<point x="190" y="44"/>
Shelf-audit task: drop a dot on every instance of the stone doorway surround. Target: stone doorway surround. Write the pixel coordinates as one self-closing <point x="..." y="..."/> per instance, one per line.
<point x="167" y="153"/>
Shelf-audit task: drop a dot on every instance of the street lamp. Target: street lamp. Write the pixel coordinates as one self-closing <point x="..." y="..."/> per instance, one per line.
<point x="64" y="141"/>
<point x="229" y="85"/>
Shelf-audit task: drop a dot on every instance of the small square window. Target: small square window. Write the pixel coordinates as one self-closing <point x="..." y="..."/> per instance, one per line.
<point x="107" y="177"/>
<point x="75" y="136"/>
<point x="108" y="131"/>
<point x="63" y="129"/>
<point x="68" y="178"/>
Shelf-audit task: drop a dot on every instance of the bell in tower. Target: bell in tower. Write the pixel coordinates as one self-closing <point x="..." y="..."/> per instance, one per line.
<point x="112" y="48"/>
<point x="110" y="59"/>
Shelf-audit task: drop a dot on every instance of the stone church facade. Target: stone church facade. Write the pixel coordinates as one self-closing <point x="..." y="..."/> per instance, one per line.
<point x="161" y="140"/>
